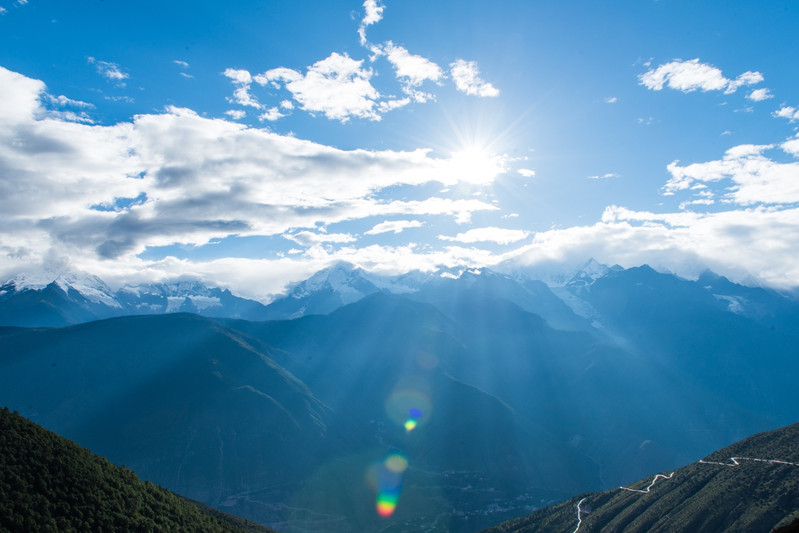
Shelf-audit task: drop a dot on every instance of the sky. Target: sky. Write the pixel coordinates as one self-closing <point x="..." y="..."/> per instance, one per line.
<point x="253" y="143"/>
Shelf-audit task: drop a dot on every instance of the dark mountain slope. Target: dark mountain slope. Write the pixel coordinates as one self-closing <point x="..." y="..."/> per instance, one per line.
<point x="693" y="334"/>
<point x="180" y="399"/>
<point x="759" y="494"/>
<point x="48" y="483"/>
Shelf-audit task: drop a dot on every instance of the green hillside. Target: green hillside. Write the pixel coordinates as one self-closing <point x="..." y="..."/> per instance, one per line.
<point x="48" y="483"/>
<point x="758" y="491"/>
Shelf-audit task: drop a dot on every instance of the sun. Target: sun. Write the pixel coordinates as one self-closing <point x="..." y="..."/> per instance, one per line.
<point x="476" y="164"/>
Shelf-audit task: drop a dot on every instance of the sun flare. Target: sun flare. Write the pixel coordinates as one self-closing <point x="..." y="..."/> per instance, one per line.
<point x="477" y="164"/>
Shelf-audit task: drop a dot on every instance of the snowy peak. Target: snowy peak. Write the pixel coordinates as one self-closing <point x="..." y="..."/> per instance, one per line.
<point x="172" y="297"/>
<point x="73" y="284"/>
<point x="72" y="298"/>
<point x="343" y="279"/>
<point x="588" y="273"/>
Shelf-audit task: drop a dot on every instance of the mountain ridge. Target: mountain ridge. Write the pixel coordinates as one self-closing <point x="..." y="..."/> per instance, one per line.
<point x="751" y="485"/>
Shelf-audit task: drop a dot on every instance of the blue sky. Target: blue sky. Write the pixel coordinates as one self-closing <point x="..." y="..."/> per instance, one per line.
<point x="254" y="143"/>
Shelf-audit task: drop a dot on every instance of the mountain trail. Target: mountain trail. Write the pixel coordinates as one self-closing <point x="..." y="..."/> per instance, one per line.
<point x="735" y="461"/>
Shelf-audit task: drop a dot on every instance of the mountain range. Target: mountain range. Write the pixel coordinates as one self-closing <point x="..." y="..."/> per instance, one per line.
<point x="479" y="396"/>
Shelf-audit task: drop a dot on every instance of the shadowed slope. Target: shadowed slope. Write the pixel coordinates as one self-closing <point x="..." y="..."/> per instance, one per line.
<point x="752" y="485"/>
<point x="182" y="400"/>
<point x="48" y="483"/>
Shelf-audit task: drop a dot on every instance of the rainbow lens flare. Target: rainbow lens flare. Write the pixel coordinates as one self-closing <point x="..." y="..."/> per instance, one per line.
<point x="386" y="477"/>
<point x="387" y="503"/>
<point x="413" y="419"/>
<point x="407" y="402"/>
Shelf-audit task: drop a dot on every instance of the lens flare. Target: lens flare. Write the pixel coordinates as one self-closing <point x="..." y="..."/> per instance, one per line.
<point x="396" y="463"/>
<point x="408" y="402"/>
<point x="386" y="503"/>
<point x="386" y="478"/>
<point x="413" y="419"/>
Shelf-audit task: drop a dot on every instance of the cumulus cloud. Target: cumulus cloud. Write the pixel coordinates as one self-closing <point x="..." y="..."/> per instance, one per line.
<point x="412" y="70"/>
<point x="750" y="176"/>
<point x="109" y="71"/>
<point x="611" y="100"/>
<point x="393" y="226"/>
<point x="758" y="95"/>
<point x="489" y="234"/>
<point x="526" y="172"/>
<point x="373" y="13"/>
<point x="607" y="176"/>
<point x="337" y="86"/>
<point x="236" y="114"/>
<point x="272" y="114"/>
<point x="105" y="193"/>
<point x="691" y="75"/>
<point x="791" y="113"/>
<point x="791" y="146"/>
<point x="242" y="79"/>
<point x="466" y="76"/>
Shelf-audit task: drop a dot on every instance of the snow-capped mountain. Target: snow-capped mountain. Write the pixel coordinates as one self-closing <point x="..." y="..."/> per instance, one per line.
<point x="325" y="291"/>
<point x="42" y="300"/>
<point x="567" y="300"/>
<point x="92" y="288"/>
<point x="47" y="299"/>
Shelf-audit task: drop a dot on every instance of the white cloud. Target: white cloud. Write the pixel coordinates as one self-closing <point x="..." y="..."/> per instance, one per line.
<point x="180" y="63"/>
<point x="526" y="172"/>
<point x="373" y="13"/>
<point x="272" y="114"/>
<point x="466" y="76"/>
<point x="412" y="70"/>
<point x="105" y="193"/>
<point x="110" y="71"/>
<point x="241" y="95"/>
<point x="310" y="238"/>
<point x="736" y="243"/>
<point x="609" y="175"/>
<point x="691" y="75"/>
<point x="395" y="226"/>
<point x="791" y="146"/>
<point x="63" y="101"/>
<point x="337" y="86"/>
<point x="791" y="113"/>
<point x="758" y="95"/>
<point x="3" y="11"/>
<point x="490" y="234"/>
<point x="126" y="99"/>
<point x="611" y="100"/>
<point x="753" y="178"/>
<point x="236" y="114"/>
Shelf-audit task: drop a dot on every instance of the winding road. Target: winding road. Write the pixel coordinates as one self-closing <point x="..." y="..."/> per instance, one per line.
<point x="735" y="461"/>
